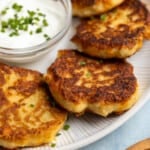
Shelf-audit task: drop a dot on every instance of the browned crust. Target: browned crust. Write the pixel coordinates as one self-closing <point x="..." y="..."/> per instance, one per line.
<point x="123" y="84"/>
<point x="83" y="3"/>
<point x="109" y="39"/>
<point x="22" y="87"/>
<point x="23" y="132"/>
<point x="87" y="8"/>
<point x="26" y="88"/>
<point x="121" y="37"/>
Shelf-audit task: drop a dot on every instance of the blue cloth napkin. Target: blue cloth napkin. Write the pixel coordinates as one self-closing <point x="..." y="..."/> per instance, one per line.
<point x="134" y="130"/>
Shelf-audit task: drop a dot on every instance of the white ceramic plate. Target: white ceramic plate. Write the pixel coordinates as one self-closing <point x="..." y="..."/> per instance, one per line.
<point x="89" y="128"/>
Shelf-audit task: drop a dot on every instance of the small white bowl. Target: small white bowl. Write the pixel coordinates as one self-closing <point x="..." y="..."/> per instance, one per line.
<point x="29" y="54"/>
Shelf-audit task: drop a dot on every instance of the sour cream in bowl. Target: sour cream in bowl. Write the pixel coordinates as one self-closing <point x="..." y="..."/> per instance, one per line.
<point x="29" y="28"/>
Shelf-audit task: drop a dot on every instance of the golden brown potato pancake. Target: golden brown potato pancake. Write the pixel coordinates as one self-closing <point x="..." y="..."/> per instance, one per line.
<point x="87" y="8"/>
<point x="116" y="34"/>
<point x="26" y="116"/>
<point x="80" y="84"/>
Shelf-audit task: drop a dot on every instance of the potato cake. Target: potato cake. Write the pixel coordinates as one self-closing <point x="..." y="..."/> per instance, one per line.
<point x="26" y="116"/>
<point x="80" y="84"/>
<point x="116" y="34"/>
<point x="87" y="8"/>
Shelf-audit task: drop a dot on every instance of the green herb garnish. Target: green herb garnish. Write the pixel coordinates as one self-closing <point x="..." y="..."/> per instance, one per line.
<point x="17" y="24"/>
<point x="41" y="14"/>
<point x="17" y="7"/>
<point x="31" y="13"/>
<point x="31" y="105"/>
<point x="16" y="16"/>
<point x="58" y="134"/>
<point x="25" y="27"/>
<point x="31" y="32"/>
<point x="15" y="33"/>
<point x="47" y="37"/>
<point x="88" y="74"/>
<point x="38" y="30"/>
<point x="45" y="23"/>
<point x="3" y="30"/>
<point x="3" y="12"/>
<point x="103" y="17"/>
<point x="53" y="144"/>
<point x="82" y="63"/>
<point x="37" y="19"/>
<point x="66" y="127"/>
<point x="4" y="24"/>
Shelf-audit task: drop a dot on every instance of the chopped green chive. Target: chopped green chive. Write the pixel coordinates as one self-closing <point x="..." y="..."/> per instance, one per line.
<point x="88" y="74"/>
<point x="17" y="23"/>
<point x="37" y="19"/>
<point x="66" y="127"/>
<point x="17" y="7"/>
<point x="25" y="27"/>
<point x="41" y="14"/>
<point x="4" y="12"/>
<point x="53" y="144"/>
<point x="14" y="34"/>
<point x="13" y="23"/>
<point x="3" y="30"/>
<point x="47" y="37"/>
<point x="4" y="24"/>
<point x="16" y="16"/>
<point x="103" y="17"/>
<point x="31" y="105"/>
<point x="58" y="134"/>
<point x="31" y="13"/>
<point x="21" y="27"/>
<point x="38" y="30"/>
<point x="45" y="23"/>
<point x="31" y="32"/>
<point x="82" y="63"/>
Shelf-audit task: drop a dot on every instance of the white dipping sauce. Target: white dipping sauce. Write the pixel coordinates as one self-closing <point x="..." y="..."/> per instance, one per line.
<point x="54" y="15"/>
